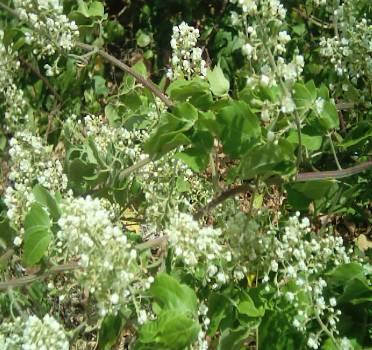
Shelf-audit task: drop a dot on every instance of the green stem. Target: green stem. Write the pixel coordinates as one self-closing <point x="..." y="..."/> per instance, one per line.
<point x="334" y="152"/>
<point x="287" y="94"/>
<point x="214" y="171"/>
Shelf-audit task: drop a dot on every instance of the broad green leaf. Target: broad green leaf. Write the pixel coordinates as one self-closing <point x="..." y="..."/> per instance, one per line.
<point x="196" y="159"/>
<point x="169" y="294"/>
<point x="267" y="160"/>
<point x="182" y="185"/>
<point x="341" y="274"/>
<point x="37" y="216"/>
<point x="276" y="328"/>
<point x="304" y="96"/>
<point x="100" y="85"/>
<point x="78" y="170"/>
<point x="240" y="128"/>
<point x="360" y="133"/>
<point x="233" y="339"/>
<point x="43" y="197"/>
<point x="195" y="91"/>
<point x="36" y="242"/>
<point x="170" y="331"/>
<point x="218" y="83"/>
<point x="112" y="114"/>
<point x="171" y="129"/>
<point x="300" y="195"/>
<point x="247" y="307"/>
<point x="218" y="308"/>
<point x="328" y="116"/>
<point x="83" y="8"/>
<point x="110" y="331"/>
<point x="96" y="9"/>
<point x="356" y="291"/>
<point x="351" y="344"/>
<point x="312" y="143"/>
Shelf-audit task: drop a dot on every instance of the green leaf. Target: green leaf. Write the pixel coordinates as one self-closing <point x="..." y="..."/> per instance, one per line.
<point x="112" y="114"/>
<point x="36" y="242"/>
<point x="100" y="85"/>
<point x="247" y="307"/>
<point x="304" y="96"/>
<point x="96" y="9"/>
<point x="233" y="339"/>
<point x="195" y="91"/>
<point x="37" y="234"/>
<point x="341" y="274"/>
<point x="182" y="185"/>
<point x="110" y="331"/>
<point x="356" y="291"/>
<point x="196" y="159"/>
<point x="169" y="294"/>
<point x="218" y="308"/>
<point x="267" y="160"/>
<point x="328" y="116"/>
<point x="37" y="216"/>
<point x="359" y="133"/>
<point x="312" y="143"/>
<point x="171" y="129"/>
<point x="171" y="331"/>
<point x="142" y="38"/>
<point x="219" y="85"/>
<point x="240" y="128"/>
<point x="276" y="328"/>
<point x="43" y="197"/>
<point x="78" y="170"/>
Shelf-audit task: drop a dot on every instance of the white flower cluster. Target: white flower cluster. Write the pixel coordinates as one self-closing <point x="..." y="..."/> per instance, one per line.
<point x="350" y="54"/>
<point x="194" y="244"/>
<point x="164" y="196"/>
<point x="30" y="161"/>
<point x="50" y="30"/>
<point x="266" y="46"/>
<point x="187" y="61"/>
<point x="202" y="343"/>
<point x="271" y="9"/>
<point x="110" y="270"/>
<point x="348" y="50"/>
<point x="106" y="137"/>
<point x="33" y="334"/>
<point x="299" y="256"/>
<point x="15" y="105"/>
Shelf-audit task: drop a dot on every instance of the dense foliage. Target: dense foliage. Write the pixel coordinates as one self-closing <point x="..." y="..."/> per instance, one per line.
<point x="215" y="195"/>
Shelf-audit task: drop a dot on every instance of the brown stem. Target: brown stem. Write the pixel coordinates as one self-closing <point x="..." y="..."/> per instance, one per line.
<point x="335" y="174"/>
<point x="19" y="282"/>
<point x="221" y="198"/>
<point x="150" y="85"/>
<point x="311" y="176"/>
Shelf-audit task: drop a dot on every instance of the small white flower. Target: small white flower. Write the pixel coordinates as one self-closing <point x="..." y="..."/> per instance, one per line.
<point x="17" y="241"/>
<point x="114" y="298"/>
<point x="332" y="302"/>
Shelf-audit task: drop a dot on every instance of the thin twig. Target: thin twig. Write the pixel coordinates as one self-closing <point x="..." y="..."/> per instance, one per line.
<point x="19" y="282"/>
<point x="152" y="243"/>
<point x="221" y="198"/>
<point x="22" y="281"/>
<point x="311" y="176"/>
<point x="335" y="174"/>
<point x="133" y="168"/>
<point x="150" y="85"/>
